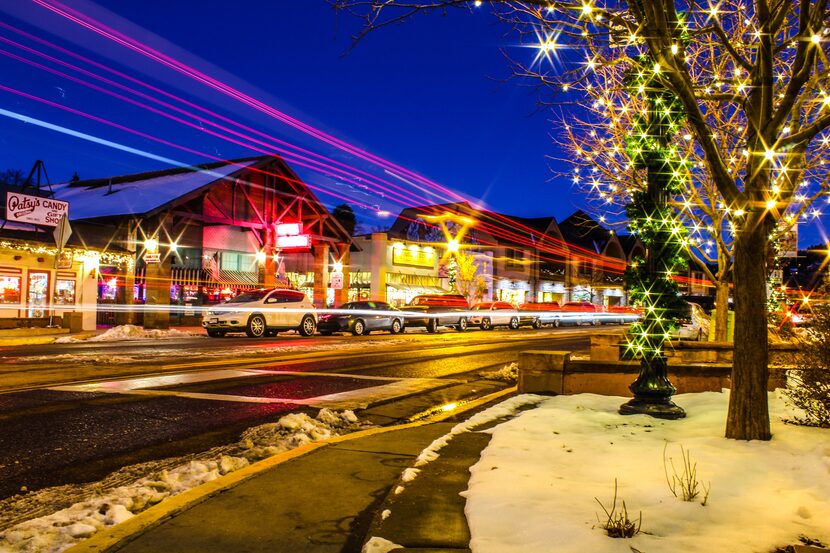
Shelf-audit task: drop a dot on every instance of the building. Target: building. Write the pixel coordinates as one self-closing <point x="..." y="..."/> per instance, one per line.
<point x="199" y="234"/>
<point x="597" y="261"/>
<point x="42" y="284"/>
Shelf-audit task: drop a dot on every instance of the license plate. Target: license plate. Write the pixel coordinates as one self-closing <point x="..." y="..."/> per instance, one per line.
<point x="214" y="321"/>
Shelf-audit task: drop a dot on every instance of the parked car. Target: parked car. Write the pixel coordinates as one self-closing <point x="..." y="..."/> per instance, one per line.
<point x="543" y="313"/>
<point x="623" y="314"/>
<point x="489" y="315"/>
<point x="361" y="317"/>
<point x="800" y="314"/>
<point x="262" y="312"/>
<point x="433" y="310"/>
<point x="579" y="312"/>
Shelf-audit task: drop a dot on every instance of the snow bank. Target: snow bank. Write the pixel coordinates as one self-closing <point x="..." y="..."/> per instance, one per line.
<point x="61" y="530"/>
<point x="536" y="482"/>
<point x="129" y="332"/>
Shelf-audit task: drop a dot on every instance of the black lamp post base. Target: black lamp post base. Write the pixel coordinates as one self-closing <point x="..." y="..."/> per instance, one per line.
<point x="666" y="409"/>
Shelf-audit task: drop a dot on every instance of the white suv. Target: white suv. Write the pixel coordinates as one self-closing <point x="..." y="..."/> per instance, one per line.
<point x="262" y="312"/>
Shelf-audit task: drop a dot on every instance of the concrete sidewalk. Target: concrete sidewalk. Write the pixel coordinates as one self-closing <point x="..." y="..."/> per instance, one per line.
<point x="329" y="499"/>
<point x="47" y="335"/>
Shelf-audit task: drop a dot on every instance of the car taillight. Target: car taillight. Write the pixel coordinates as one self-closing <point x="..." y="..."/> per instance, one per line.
<point x="324" y="317"/>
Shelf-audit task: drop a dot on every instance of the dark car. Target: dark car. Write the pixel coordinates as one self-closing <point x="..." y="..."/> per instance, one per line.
<point x="361" y="317"/>
<point x="433" y="310"/>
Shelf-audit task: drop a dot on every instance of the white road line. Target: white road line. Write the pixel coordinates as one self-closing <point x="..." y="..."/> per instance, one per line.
<point x="122" y="386"/>
<point x="350" y="399"/>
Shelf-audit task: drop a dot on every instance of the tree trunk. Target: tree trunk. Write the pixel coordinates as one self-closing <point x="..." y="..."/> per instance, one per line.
<point x="748" y="417"/>
<point x="722" y="311"/>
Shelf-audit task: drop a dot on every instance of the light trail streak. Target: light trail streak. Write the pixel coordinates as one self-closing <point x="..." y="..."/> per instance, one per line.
<point x="611" y="265"/>
<point x="184" y="69"/>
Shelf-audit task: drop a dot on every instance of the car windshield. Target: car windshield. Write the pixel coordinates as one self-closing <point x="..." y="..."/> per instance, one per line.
<point x="247" y="297"/>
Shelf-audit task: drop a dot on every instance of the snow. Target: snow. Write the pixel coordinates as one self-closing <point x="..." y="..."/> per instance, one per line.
<point x="129" y="332"/>
<point x="536" y="482"/>
<point x="139" y="196"/>
<point x="101" y="509"/>
<point x="508" y="373"/>
<point x="379" y="545"/>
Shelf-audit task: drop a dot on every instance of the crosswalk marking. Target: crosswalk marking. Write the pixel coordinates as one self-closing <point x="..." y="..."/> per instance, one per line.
<point x="147" y="386"/>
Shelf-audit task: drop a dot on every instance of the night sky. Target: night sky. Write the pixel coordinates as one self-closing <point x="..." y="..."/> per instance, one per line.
<point x="430" y="95"/>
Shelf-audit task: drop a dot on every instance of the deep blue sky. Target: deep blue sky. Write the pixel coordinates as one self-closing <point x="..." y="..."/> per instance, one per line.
<point x="430" y="95"/>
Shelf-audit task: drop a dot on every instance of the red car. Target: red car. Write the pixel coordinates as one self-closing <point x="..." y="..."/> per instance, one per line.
<point x="584" y="312"/>
<point x="544" y="313"/>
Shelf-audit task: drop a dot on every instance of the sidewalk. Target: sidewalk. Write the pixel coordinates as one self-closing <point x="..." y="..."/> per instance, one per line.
<point x="329" y="499"/>
<point x="42" y="335"/>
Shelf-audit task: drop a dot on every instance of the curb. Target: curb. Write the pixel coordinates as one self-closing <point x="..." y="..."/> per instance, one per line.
<point x="43" y="339"/>
<point x="109" y="538"/>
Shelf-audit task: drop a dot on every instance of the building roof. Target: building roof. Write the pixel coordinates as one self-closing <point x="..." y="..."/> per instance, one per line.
<point x="583" y="231"/>
<point x="141" y="193"/>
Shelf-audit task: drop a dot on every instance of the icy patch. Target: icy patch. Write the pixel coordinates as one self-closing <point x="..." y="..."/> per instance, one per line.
<point x="129" y="332"/>
<point x="101" y="509"/>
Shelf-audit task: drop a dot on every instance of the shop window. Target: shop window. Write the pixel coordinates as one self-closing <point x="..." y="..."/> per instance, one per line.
<point x="38" y="294"/>
<point x="235" y="261"/>
<point x="64" y="292"/>
<point x="9" y="289"/>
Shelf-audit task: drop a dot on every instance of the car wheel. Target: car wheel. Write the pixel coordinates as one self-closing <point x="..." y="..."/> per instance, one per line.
<point x="215" y="333"/>
<point x="486" y="325"/>
<point x="514" y="323"/>
<point x="307" y="326"/>
<point x="255" y="327"/>
<point x="432" y="326"/>
<point x="556" y="323"/>
<point x="359" y="328"/>
<point x="462" y="324"/>
<point x="537" y="323"/>
<point x="397" y="327"/>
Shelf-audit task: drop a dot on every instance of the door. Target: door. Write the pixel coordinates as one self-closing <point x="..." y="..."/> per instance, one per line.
<point x="37" y="295"/>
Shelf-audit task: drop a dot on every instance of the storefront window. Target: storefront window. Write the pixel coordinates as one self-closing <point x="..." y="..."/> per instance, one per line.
<point x="9" y="289"/>
<point x="109" y="288"/>
<point x="191" y="293"/>
<point x="64" y="292"/>
<point x="38" y="294"/>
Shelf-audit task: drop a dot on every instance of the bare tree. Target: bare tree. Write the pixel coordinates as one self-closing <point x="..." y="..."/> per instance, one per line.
<point x="763" y="65"/>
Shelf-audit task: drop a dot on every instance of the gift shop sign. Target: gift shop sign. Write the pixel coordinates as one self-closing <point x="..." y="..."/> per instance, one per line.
<point x="22" y="208"/>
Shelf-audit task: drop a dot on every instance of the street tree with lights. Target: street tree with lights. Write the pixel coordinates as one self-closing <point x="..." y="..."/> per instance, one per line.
<point x="762" y="66"/>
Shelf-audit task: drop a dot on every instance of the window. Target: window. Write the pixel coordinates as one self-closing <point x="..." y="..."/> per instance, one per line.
<point x="64" y="292"/>
<point x="236" y="261"/>
<point x="9" y="289"/>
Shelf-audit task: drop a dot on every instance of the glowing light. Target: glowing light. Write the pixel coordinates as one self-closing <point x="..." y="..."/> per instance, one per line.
<point x="587" y="9"/>
<point x="771" y="205"/>
<point x="151" y="245"/>
<point x="452" y="245"/>
<point x="260" y="256"/>
<point x="174" y="247"/>
<point x="769" y="154"/>
<point x="815" y="39"/>
<point x="449" y="407"/>
<point x="337" y="266"/>
<point x="674" y="49"/>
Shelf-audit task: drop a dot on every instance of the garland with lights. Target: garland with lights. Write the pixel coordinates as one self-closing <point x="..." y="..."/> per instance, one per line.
<point x="78" y="254"/>
<point x="650" y="280"/>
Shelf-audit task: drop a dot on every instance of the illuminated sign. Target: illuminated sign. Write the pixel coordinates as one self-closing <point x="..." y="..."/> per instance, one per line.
<point x="415" y="257"/>
<point x="336" y="281"/>
<point x="297" y="241"/>
<point x="152" y="257"/>
<point x="22" y="208"/>
<point x="289" y="229"/>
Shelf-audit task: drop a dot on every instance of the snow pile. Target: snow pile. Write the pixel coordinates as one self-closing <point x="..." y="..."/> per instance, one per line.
<point x="61" y="530"/>
<point x="508" y="373"/>
<point x="129" y="332"/>
<point x="543" y="470"/>
<point x="379" y="545"/>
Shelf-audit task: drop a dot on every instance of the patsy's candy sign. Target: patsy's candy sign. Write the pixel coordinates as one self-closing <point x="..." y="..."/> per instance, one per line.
<point x="22" y="208"/>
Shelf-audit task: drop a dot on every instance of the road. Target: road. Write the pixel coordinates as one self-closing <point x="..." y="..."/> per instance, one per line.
<point x="77" y="412"/>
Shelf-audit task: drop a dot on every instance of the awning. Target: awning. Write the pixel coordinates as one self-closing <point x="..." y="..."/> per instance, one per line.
<point x="237" y="279"/>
